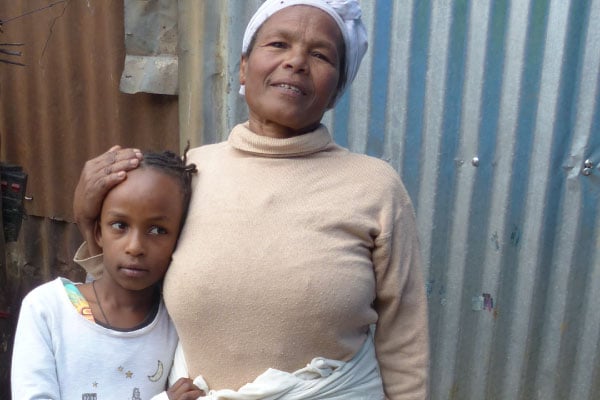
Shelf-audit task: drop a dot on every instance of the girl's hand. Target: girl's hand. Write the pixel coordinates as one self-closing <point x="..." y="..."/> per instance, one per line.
<point x="98" y="176"/>
<point x="184" y="389"/>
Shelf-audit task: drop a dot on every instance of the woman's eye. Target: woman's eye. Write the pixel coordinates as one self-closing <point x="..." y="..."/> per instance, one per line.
<point x="157" y="230"/>
<point x="279" y="45"/>
<point x="321" y="56"/>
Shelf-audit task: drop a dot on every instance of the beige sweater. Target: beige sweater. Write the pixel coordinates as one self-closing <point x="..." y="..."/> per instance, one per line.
<point x="291" y="248"/>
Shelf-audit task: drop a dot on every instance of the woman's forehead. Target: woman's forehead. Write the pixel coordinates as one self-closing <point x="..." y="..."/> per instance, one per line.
<point x="301" y="18"/>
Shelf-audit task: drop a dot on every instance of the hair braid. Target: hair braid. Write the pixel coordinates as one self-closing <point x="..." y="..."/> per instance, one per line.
<point x="174" y="166"/>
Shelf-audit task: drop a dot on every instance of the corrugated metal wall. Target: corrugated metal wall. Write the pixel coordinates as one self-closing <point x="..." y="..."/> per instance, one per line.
<point x="58" y="110"/>
<point x="64" y="105"/>
<point x="490" y="110"/>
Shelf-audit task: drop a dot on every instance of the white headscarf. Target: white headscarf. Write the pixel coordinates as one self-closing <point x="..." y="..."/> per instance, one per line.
<point x="346" y="13"/>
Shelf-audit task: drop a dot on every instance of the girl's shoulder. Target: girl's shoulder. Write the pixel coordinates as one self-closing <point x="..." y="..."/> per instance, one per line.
<point x="47" y="299"/>
<point x="47" y="290"/>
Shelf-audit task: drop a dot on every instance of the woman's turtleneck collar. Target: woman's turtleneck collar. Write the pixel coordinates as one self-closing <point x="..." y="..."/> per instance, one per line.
<point x="243" y="139"/>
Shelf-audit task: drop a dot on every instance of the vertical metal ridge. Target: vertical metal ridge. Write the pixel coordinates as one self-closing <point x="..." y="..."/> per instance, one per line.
<point x="397" y="94"/>
<point x="586" y="364"/>
<point x="433" y="112"/>
<point x="517" y="331"/>
<point x="478" y="23"/>
<point x="357" y="93"/>
<point x="558" y="277"/>
<point x="438" y="54"/>
<point x="586" y="367"/>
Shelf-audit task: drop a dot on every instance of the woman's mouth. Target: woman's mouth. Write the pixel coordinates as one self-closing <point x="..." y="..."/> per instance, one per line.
<point x="290" y="88"/>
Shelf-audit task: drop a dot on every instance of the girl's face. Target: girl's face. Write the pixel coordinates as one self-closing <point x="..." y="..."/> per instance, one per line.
<point x="292" y="71"/>
<point x="139" y="226"/>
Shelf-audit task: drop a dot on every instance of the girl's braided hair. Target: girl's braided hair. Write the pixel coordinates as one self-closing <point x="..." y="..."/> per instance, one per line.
<point x="174" y="166"/>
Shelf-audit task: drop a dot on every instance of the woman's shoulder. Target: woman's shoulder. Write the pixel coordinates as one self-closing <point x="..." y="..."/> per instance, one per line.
<point x="377" y="164"/>
<point x="378" y="175"/>
<point x="373" y="167"/>
<point x="201" y="153"/>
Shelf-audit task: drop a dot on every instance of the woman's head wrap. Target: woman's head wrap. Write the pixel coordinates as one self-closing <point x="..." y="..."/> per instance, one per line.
<point x="346" y="14"/>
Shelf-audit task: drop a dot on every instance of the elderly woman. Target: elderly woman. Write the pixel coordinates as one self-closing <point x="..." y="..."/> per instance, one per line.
<point x="297" y="274"/>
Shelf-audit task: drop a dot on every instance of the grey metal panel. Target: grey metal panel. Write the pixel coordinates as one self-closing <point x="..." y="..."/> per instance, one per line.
<point x="151" y="63"/>
<point x="489" y="111"/>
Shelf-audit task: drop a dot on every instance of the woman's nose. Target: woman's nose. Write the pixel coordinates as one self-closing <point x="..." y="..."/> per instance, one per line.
<point x="297" y="61"/>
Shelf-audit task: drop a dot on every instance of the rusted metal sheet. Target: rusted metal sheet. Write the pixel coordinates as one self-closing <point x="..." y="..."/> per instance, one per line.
<point x="151" y="47"/>
<point x="6" y="321"/>
<point x="64" y="106"/>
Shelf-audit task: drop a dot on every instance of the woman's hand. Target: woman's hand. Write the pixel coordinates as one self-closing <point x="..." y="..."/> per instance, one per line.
<point x="184" y="389"/>
<point x="98" y="176"/>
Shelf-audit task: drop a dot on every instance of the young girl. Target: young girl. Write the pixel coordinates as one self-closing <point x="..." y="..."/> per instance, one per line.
<point x="112" y="338"/>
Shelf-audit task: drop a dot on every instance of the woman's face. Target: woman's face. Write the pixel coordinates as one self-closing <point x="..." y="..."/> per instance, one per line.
<point x="292" y="71"/>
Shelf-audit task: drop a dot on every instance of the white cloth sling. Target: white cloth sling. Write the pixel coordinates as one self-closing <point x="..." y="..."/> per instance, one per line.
<point x="357" y="379"/>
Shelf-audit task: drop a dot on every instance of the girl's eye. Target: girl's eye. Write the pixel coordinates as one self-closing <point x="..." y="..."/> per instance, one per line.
<point x="119" y="226"/>
<point x="157" y="230"/>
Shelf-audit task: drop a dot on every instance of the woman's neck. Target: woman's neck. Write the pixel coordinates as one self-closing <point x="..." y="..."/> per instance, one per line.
<point x="277" y="131"/>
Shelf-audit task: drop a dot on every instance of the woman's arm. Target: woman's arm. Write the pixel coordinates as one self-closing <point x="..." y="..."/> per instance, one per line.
<point x="98" y="176"/>
<point x="401" y="335"/>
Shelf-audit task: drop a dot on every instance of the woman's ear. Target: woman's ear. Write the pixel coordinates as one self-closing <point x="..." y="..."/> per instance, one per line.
<point x="98" y="233"/>
<point x="243" y="66"/>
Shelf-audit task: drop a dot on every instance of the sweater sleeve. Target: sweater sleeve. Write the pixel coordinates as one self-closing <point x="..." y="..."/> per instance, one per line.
<point x="401" y="334"/>
<point x="93" y="265"/>
<point x="33" y="370"/>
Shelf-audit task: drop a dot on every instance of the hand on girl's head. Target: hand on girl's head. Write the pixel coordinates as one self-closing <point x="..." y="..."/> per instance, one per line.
<point x="98" y="176"/>
<point x="118" y="160"/>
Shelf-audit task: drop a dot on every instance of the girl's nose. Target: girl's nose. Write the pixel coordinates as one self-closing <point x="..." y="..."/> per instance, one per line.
<point x="135" y="244"/>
